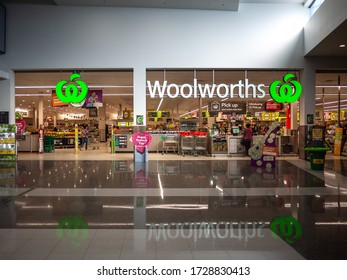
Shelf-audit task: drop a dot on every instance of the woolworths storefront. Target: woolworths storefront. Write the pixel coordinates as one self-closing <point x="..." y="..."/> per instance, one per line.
<point x="221" y="102"/>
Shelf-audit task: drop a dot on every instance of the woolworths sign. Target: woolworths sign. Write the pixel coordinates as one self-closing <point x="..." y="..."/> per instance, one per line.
<point x="288" y="90"/>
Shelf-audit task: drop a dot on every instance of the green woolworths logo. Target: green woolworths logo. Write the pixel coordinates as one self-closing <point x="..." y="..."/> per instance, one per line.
<point x="72" y="93"/>
<point x="287" y="92"/>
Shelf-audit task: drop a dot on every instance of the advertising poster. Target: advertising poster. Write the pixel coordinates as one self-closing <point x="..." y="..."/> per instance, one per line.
<point x="93" y="99"/>
<point x="56" y="102"/>
<point x="338" y="141"/>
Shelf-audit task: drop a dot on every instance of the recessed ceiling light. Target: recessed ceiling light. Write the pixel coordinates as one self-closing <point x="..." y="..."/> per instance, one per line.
<point x="342" y="46"/>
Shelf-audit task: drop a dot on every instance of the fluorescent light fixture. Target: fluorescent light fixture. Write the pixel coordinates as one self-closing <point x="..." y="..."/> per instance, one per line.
<point x="21" y="110"/>
<point x="331" y="102"/>
<point x="331" y="87"/>
<point x="193" y="111"/>
<point x="342" y="46"/>
<point x="33" y="95"/>
<point x="308" y="3"/>
<point x="161" y="101"/>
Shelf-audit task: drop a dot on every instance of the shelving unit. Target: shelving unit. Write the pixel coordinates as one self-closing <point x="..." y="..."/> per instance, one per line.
<point x="189" y="124"/>
<point x="8" y="145"/>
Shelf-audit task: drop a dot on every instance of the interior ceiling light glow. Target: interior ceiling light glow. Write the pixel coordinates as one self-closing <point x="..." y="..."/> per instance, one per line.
<point x="342" y="46"/>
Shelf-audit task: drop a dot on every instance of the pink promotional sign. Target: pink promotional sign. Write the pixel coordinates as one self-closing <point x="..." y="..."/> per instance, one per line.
<point x="141" y="141"/>
<point x="21" y="124"/>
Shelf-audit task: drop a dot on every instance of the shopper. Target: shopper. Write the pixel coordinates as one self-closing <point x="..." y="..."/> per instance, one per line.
<point x="247" y="137"/>
<point x="84" y="139"/>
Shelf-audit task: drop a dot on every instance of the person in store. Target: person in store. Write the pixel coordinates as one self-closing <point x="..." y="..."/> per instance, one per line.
<point x="247" y="137"/>
<point x="85" y="133"/>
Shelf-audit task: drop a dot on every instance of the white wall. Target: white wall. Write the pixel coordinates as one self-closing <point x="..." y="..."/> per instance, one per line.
<point x="258" y="36"/>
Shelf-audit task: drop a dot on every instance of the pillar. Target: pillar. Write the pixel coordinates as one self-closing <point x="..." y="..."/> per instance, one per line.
<point x="7" y="93"/>
<point x="102" y="122"/>
<point x="40" y="110"/>
<point x="307" y="104"/>
<point x="139" y="98"/>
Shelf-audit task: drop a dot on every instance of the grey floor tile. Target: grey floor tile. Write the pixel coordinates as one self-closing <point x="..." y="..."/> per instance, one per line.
<point x="138" y="256"/>
<point x="106" y="234"/>
<point x="20" y="234"/>
<point x="174" y="256"/>
<point x="246" y="255"/>
<point x="100" y="256"/>
<point x="138" y="245"/>
<point x="173" y="245"/>
<point x="137" y="234"/>
<point x="6" y="256"/>
<point x="210" y="255"/>
<point x="105" y="246"/>
<point x="283" y="255"/>
<point x="71" y="246"/>
<point x="36" y="246"/>
<point x="65" y="256"/>
<point x="30" y="256"/>
<point x="11" y="245"/>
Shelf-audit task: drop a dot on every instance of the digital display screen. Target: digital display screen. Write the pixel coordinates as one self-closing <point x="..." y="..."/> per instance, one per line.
<point x="235" y="130"/>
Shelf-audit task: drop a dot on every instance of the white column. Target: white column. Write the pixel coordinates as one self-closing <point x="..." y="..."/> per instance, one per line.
<point x="294" y="116"/>
<point x="102" y="122"/>
<point x="308" y="96"/>
<point x="40" y="110"/>
<point x="7" y="93"/>
<point x="139" y="97"/>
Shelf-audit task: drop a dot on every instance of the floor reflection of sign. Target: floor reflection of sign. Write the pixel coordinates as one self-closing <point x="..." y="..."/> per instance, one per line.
<point x="122" y="141"/>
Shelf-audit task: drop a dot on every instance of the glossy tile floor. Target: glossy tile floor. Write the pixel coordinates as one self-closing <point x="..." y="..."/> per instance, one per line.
<point x="92" y="206"/>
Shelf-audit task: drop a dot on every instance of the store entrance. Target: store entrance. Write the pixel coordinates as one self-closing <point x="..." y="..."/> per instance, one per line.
<point x="218" y="104"/>
<point x="108" y="103"/>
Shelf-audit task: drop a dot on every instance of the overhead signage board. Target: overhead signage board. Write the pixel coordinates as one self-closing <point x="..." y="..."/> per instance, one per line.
<point x="227" y="107"/>
<point x="256" y="106"/>
<point x="273" y="106"/>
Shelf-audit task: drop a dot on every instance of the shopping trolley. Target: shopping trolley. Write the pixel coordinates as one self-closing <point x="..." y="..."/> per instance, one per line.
<point x="200" y="145"/>
<point x="187" y="144"/>
<point x="170" y="143"/>
<point x="93" y="142"/>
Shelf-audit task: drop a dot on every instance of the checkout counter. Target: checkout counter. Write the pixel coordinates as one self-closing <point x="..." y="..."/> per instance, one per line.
<point x="28" y="143"/>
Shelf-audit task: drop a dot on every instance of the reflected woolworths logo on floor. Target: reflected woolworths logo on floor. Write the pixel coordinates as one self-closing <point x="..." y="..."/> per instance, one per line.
<point x="288" y="228"/>
<point x="286" y="91"/>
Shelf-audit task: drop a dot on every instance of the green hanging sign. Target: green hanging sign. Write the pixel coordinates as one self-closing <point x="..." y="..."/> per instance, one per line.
<point x="287" y="91"/>
<point x="72" y="91"/>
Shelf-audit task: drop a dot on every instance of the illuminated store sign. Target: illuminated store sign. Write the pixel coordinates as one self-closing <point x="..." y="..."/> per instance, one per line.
<point x="73" y="91"/>
<point x="240" y="90"/>
<point x="286" y="91"/>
